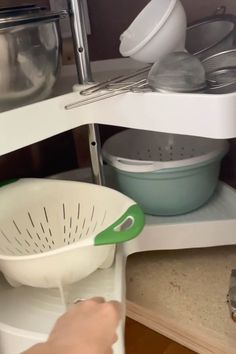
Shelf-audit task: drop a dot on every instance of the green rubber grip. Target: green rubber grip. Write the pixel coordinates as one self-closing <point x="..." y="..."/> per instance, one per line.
<point x="8" y="181"/>
<point x="114" y="233"/>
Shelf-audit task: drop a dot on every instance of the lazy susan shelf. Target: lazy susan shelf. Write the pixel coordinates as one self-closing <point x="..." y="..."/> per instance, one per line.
<point x="214" y="224"/>
<point x="204" y="115"/>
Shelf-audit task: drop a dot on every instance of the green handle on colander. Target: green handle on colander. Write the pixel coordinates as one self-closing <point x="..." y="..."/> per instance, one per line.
<point x="114" y="233"/>
<point x="8" y="181"/>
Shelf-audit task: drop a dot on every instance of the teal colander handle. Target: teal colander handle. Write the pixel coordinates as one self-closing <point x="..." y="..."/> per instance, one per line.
<point x="128" y="226"/>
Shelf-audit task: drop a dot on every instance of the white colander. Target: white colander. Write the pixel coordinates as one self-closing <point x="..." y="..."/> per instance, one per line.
<point x="147" y="151"/>
<point x="54" y="232"/>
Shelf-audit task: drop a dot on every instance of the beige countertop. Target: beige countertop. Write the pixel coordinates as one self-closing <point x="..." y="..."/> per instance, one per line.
<point x="182" y="294"/>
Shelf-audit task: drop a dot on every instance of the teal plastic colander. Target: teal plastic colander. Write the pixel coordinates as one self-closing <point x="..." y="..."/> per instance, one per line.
<point x="166" y="174"/>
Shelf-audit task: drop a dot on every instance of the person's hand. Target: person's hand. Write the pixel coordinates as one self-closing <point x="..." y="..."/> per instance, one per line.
<point x="88" y="327"/>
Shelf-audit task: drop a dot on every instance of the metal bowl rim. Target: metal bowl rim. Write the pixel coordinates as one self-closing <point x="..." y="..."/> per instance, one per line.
<point x="216" y="18"/>
<point x="233" y="50"/>
<point x="13" y="21"/>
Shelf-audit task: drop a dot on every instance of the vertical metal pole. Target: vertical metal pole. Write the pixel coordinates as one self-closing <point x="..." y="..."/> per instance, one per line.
<point x="85" y="77"/>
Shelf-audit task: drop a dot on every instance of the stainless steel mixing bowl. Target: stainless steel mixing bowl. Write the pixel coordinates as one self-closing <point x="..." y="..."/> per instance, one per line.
<point x="30" y="48"/>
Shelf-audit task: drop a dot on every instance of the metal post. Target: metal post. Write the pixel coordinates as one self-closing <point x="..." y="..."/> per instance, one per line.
<point x="77" y="19"/>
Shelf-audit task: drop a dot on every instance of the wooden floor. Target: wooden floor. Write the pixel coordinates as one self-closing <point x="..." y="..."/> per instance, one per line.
<point x="142" y="340"/>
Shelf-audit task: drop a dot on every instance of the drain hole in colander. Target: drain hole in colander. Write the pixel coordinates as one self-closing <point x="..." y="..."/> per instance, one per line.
<point x="29" y="234"/>
<point x="64" y="211"/>
<point x="104" y="217"/>
<point x="45" y="213"/>
<point x="78" y="211"/>
<point x="5" y="236"/>
<point x="19" y="243"/>
<point x="28" y="244"/>
<point x="83" y="223"/>
<point x="16" y="227"/>
<point x="31" y="220"/>
<point x="92" y="213"/>
<point x="95" y="226"/>
<point x="42" y="227"/>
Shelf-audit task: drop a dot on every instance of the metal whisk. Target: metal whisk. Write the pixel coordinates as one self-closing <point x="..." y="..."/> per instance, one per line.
<point x="113" y="87"/>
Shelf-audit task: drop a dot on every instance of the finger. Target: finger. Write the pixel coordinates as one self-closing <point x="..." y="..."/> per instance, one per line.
<point x="97" y="299"/>
<point x="114" y="339"/>
<point x="77" y="301"/>
<point x="118" y="308"/>
<point x="110" y="351"/>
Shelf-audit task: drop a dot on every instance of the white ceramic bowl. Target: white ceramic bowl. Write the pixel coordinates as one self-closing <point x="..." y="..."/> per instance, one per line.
<point x="159" y="29"/>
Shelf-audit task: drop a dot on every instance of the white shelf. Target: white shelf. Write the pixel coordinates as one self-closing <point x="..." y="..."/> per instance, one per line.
<point x="214" y="224"/>
<point x="190" y="114"/>
<point x="28" y="314"/>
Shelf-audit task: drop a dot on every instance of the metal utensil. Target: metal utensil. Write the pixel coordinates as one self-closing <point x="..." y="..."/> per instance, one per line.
<point x="117" y="80"/>
<point x="222" y="77"/>
<point x="112" y="87"/>
<point x="211" y="35"/>
<point x="178" y="72"/>
<point x="221" y="72"/>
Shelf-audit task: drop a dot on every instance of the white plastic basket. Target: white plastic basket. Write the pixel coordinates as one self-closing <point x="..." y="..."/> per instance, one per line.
<point x="53" y="232"/>
<point x="146" y="151"/>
